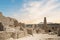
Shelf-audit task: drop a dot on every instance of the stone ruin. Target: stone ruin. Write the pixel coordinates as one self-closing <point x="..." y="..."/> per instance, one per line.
<point x="58" y="31"/>
<point x="1" y="27"/>
<point x="10" y="27"/>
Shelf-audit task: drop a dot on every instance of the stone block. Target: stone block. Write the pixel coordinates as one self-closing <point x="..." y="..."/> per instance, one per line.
<point x="4" y="35"/>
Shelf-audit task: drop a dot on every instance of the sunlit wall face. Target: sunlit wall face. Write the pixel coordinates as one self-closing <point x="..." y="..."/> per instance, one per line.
<point x="34" y="11"/>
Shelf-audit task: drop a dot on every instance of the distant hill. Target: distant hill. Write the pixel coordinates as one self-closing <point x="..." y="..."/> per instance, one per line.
<point x="48" y="23"/>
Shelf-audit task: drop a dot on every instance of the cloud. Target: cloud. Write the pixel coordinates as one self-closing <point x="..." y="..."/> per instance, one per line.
<point x="34" y="11"/>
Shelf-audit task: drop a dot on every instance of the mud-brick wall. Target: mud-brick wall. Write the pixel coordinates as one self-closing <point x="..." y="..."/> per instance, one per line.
<point x="21" y="34"/>
<point x="5" y="35"/>
<point x="17" y="35"/>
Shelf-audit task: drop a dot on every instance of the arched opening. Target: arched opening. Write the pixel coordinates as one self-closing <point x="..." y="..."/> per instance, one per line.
<point x="49" y="30"/>
<point x="1" y="27"/>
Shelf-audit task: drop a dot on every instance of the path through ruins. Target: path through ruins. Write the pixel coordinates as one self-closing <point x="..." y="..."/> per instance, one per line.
<point x="38" y="37"/>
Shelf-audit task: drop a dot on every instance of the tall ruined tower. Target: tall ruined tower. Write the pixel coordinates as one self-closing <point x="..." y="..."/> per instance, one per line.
<point x="45" y="24"/>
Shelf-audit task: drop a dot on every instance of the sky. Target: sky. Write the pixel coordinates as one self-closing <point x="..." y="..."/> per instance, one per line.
<point x="31" y="11"/>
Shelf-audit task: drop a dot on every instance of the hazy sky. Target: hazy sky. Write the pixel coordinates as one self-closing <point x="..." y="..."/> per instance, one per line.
<point x="31" y="11"/>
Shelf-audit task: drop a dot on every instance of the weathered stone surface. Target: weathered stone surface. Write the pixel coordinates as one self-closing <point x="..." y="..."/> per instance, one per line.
<point x="6" y="20"/>
<point x="16" y="23"/>
<point x="17" y="35"/>
<point x="5" y="35"/>
<point x="17" y="30"/>
<point x="14" y="35"/>
<point x="1" y="27"/>
<point x="59" y="32"/>
<point x="20" y="34"/>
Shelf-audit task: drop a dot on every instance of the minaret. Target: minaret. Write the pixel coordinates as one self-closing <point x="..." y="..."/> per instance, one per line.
<point x="45" y="24"/>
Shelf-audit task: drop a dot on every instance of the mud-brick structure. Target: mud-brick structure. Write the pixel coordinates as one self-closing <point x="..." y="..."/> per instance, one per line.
<point x="45" y="27"/>
<point x="30" y="29"/>
<point x="50" y="27"/>
<point x="1" y="27"/>
<point x="11" y="28"/>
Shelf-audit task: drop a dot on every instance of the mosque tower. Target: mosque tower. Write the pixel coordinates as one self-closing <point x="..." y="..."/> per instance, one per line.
<point x="45" y="24"/>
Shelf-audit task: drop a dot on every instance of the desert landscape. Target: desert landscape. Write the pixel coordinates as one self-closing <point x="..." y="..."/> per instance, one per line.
<point x="29" y="19"/>
<point x="11" y="29"/>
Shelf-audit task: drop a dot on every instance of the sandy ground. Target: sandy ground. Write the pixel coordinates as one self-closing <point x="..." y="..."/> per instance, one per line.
<point x="37" y="37"/>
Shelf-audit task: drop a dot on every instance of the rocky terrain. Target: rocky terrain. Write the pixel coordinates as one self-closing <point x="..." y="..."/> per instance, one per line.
<point x="11" y="29"/>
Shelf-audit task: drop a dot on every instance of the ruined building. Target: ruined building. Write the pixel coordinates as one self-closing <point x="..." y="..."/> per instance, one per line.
<point x="45" y="27"/>
<point x="1" y="27"/>
<point x="10" y="27"/>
